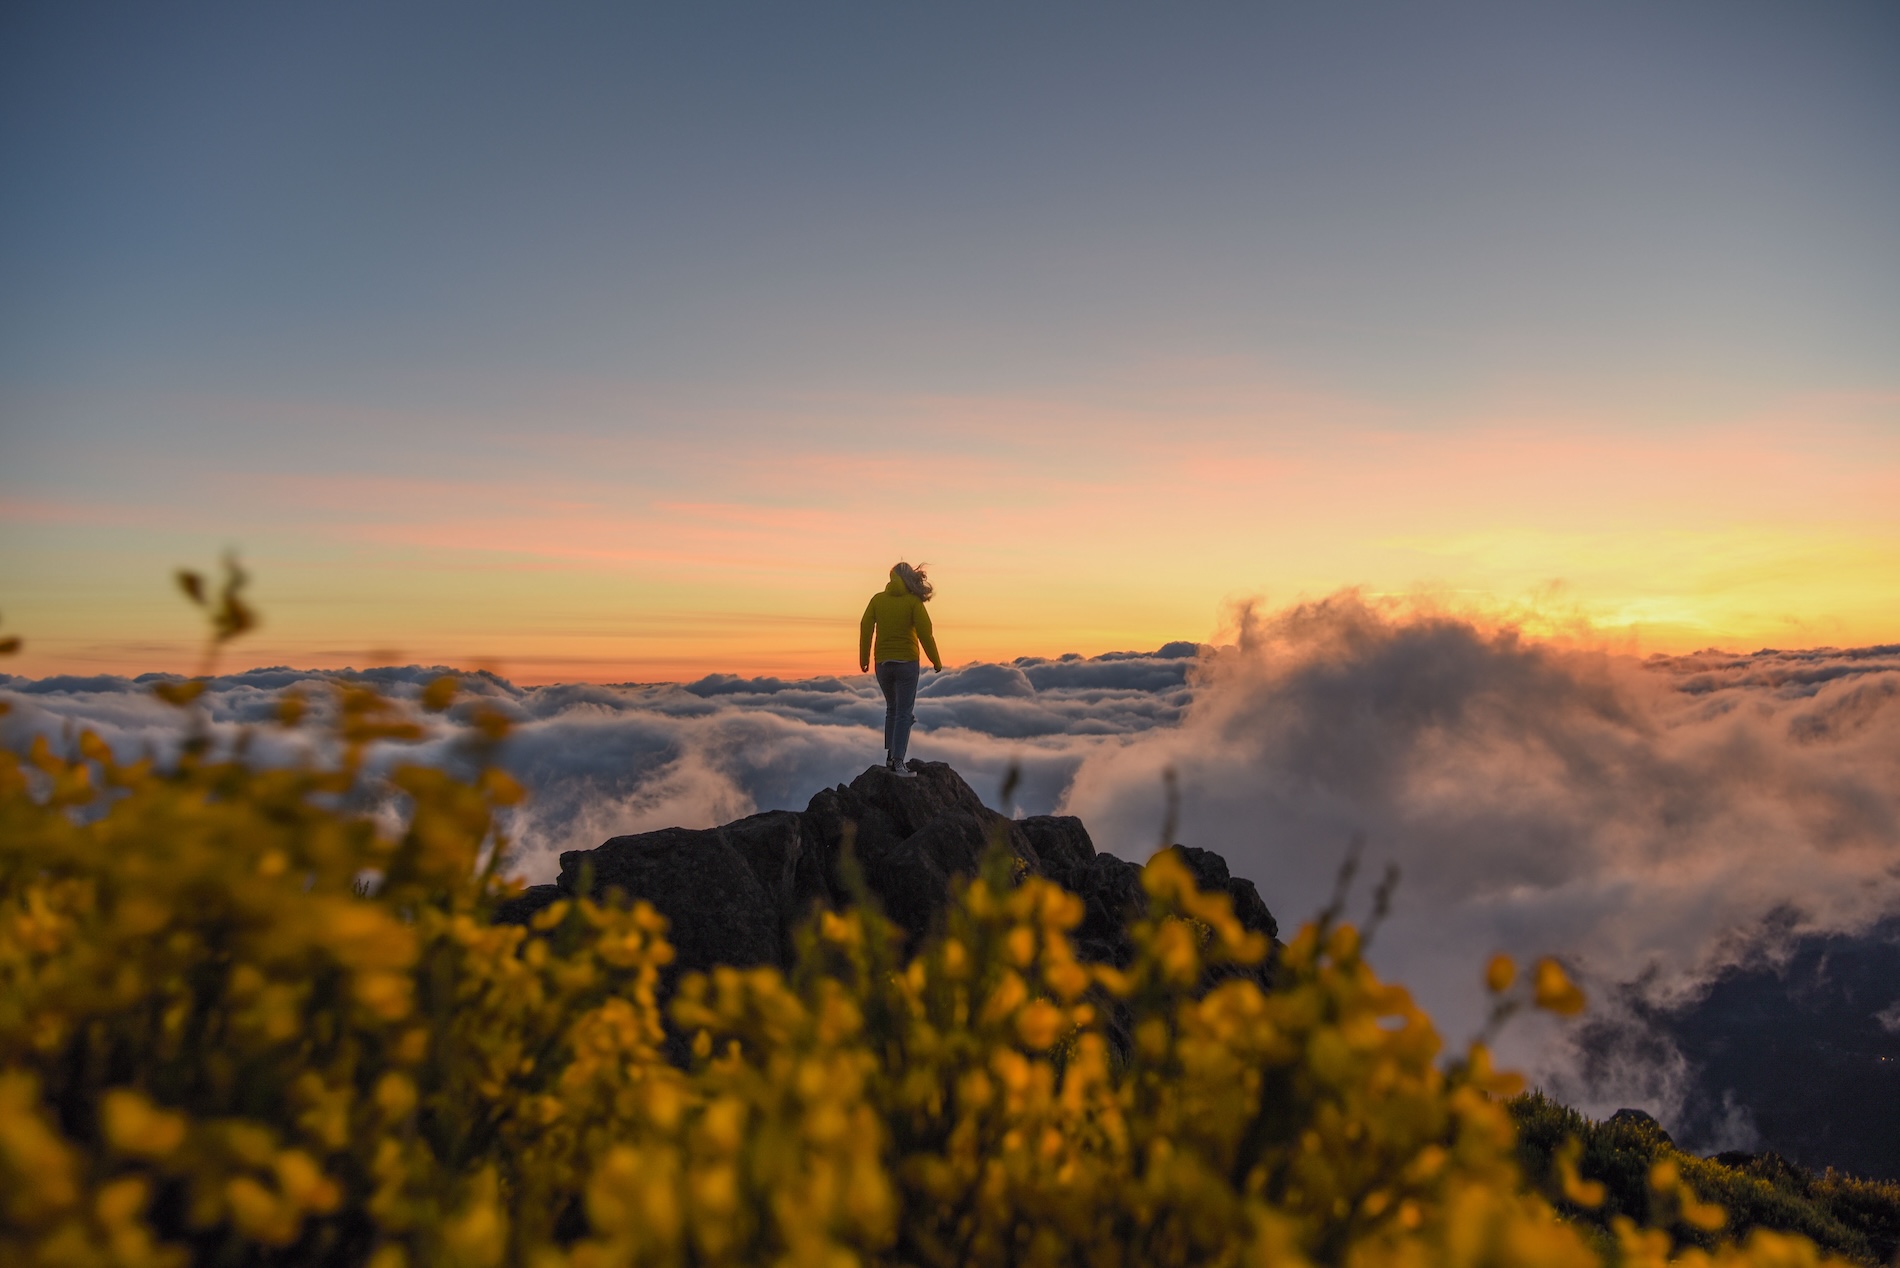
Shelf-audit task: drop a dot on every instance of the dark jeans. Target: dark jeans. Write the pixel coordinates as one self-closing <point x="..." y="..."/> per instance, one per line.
<point x="897" y="679"/>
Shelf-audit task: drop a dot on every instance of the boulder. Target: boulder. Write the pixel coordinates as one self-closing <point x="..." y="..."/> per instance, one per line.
<point x="1062" y="843"/>
<point x="909" y="885"/>
<point x="717" y="911"/>
<point x="934" y="797"/>
<point x="1111" y="888"/>
<point x="955" y="842"/>
<point x="836" y="817"/>
<point x="1250" y="909"/>
<point x="1210" y="873"/>
<point x="529" y="903"/>
<point x="733" y="894"/>
<point x="910" y="836"/>
<point x="934" y="790"/>
<point x="793" y="877"/>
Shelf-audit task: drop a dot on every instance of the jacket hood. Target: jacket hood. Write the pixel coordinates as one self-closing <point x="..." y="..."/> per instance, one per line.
<point x="895" y="586"/>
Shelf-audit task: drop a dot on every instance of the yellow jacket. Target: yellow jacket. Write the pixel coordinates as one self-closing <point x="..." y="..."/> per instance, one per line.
<point x="900" y="620"/>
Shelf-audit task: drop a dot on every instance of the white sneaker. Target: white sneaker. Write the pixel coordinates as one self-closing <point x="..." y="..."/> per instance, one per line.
<point x="903" y="772"/>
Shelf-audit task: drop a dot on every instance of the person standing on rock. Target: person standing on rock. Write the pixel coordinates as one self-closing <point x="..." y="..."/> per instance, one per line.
<point x="896" y="614"/>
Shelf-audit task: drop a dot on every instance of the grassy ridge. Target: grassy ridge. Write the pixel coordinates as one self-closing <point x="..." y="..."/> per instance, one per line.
<point x="1854" y="1218"/>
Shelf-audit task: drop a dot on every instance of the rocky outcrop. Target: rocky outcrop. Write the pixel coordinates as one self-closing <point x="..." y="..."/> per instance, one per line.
<point x="733" y="894"/>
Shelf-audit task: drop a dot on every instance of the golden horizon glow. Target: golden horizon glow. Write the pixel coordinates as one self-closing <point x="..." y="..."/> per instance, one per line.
<point x="1052" y="529"/>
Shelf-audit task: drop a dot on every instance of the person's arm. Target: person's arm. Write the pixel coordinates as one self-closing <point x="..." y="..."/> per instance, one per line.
<point x="926" y="637"/>
<point x="864" y="635"/>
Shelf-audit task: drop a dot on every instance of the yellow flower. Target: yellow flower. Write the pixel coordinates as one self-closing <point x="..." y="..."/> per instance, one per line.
<point x="1554" y="991"/>
<point x="1040" y="1024"/>
<point x="477" y="1235"/>
<point x="134" y="1126"/>
<point x="387" y="995"/>
<point x="303" y="1182"/>
<point x="259" y="1214"/>
<point x="395" y="1095"/>
<point x="121" y="1201"/>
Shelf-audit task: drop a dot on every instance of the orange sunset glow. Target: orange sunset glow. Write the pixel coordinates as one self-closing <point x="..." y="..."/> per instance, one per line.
<point x="1728" y="537"/>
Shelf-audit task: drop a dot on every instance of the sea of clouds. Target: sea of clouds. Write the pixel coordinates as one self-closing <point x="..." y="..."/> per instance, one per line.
<point x="1648" y="821"/>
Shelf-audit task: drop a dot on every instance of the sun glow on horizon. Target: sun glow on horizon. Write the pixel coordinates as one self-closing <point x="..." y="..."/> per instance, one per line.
<point x="1732" y="537"/>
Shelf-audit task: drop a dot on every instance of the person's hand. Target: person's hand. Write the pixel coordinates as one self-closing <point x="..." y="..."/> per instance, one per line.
<point x="864" y="669"/>
<point x="936" y="669"/>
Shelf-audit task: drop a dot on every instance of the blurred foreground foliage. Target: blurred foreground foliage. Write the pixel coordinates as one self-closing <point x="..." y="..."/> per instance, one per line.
<point x="242" y="1023"/>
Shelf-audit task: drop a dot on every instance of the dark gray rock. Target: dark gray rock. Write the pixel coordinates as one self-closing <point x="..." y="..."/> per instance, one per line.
<point x="1062" y="843"/>
<point x="1209" y="868"/>
<point x="1111" y="888"/>
<point x="1210" y="873"/>
<point x="909" y="885"/>
<point x="934" y="796"/>
<point x="934" y="790"/>
<point x="773" y="845"/>
<point x="733" y="894"/>
<point x="717" y="911"/>
<point x="1250" y="909"/>
<point x="837" y="817"/>
<point x="909" y="836"/>
<point x="955" y="842"/>
<point x="529" y="903"/>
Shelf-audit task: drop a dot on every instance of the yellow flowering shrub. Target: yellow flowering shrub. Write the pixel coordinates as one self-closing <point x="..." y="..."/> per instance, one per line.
<point x="241" y="1024"/>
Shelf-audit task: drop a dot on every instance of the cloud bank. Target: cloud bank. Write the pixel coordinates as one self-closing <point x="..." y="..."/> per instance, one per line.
<point x="1652" y="822"/>
<point x="1649" y="821"/>
<point x="602" y="760"/>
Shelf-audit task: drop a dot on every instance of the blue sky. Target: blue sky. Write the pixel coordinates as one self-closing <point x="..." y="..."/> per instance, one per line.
<point x="476" y="243"/>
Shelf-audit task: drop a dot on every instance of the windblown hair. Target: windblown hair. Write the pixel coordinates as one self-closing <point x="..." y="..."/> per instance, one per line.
<point x="915" y="581"/>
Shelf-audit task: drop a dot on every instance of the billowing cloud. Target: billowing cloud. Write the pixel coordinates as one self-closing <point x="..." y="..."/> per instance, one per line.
<point x="1647" y="820"/>
<point x="1651" y="822"/>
